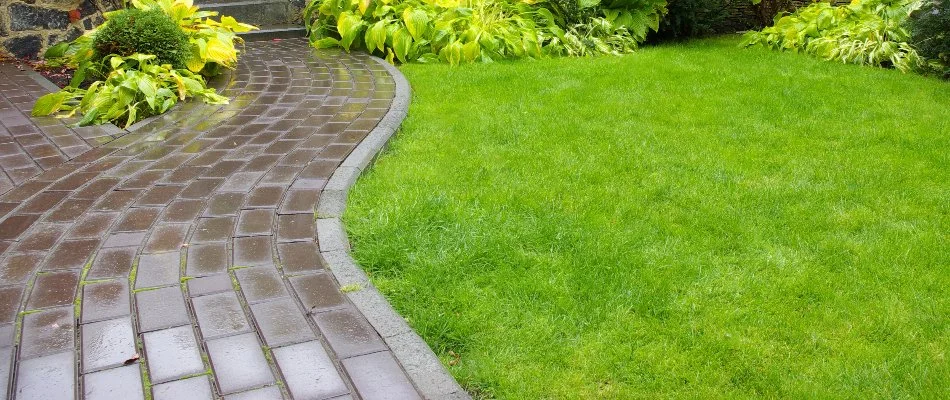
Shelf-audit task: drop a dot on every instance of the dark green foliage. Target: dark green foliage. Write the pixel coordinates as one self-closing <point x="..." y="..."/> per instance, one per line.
<point x="143" y="31"/>
<point x="569" y="12"/>
<point x="689" y="18"/>
<point x="930" y="34"/>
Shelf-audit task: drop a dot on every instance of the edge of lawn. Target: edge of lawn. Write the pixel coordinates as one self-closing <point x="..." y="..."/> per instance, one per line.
<point x="418" y="360"/>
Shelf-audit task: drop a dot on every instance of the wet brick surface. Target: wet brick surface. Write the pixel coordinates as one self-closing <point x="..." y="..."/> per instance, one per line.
<point x="190" y="263"/>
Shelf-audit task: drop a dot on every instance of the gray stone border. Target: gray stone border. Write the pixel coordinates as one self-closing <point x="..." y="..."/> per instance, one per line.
<point x="419" y="361"/>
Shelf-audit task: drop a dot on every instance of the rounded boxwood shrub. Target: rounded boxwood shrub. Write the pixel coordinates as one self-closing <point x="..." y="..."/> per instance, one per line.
<point x="930" y="33"/>
<point x="143" y="31"/>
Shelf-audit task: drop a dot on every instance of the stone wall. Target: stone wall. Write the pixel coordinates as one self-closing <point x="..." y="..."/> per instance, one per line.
<point x="28" y="27"/>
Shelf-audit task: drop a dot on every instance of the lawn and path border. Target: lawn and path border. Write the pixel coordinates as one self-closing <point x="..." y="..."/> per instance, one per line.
<point x="418" y="360"/>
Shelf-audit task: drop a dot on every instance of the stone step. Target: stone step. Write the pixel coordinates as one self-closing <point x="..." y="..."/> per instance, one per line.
<point x="256" y="12"/>
<point x="269" y="32"/>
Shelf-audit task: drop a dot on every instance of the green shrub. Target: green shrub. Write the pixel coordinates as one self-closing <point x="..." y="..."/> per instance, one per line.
<point x="689" y="18"/>
<point x="930" y="34"/>
<point x="867" y="32"/>
<point x="134" y="31"/>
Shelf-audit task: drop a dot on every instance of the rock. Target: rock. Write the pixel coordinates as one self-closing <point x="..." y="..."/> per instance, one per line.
<point x="24" y="46"/>
<point x="26" y="17"/>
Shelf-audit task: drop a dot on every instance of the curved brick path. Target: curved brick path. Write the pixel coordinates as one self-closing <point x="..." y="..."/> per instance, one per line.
<point x="182" y="258"/>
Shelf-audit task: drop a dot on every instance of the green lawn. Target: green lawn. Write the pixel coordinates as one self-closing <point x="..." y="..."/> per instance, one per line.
<point x="690" y="221"/>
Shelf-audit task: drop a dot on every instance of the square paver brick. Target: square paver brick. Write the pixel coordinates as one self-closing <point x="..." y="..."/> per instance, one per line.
<point x="206" y="259"/>
<point x="138" y="219"/>
<point x="225" y="204"/>
<point x="309" y="372"/>
<point x="161" y="308"/>
<point x="53" y="289"/>
<point x="220" y="315"/>
<point x="348" y="332"/>
<point x="111" y="263"/>
<point x="260" y="284"/>
<point x="118" y="383"/>
<point x="159" y="269"/>
<point x="105" y="300"/>
<point x="47" y="332"/>
<point x="167" y="237"/>
<point x="255" y="222"/>
<point x="107" y="344"/>
<point x="214" y="229"/>
<point x="71" y="254"/>
<point x="264" y="393"/>
<point x="172" y="354"/>
<point x="281" y="322"/>
<point x="239" y="363"/>
<point x="49" y="377"/>
<point x="253" y="251"/>
<point x="196" y="388"/>
<point x="296" y="227"/>
<point x="300" y="257"/>
<point x="18" y="268"/>
<point x="183" y="210"/>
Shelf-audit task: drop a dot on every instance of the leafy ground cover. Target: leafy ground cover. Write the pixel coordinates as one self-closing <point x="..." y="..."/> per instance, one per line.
<point x="690" y="221"/>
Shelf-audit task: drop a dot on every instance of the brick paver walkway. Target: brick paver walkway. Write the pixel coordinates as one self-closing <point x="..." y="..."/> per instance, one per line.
<point x="182" y="258"/>
<point x="29" y="146"/>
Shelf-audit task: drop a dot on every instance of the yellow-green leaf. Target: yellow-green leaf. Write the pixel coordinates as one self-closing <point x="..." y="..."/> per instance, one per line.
<point x="402" y="41"/>
<point x="416" y="21"/>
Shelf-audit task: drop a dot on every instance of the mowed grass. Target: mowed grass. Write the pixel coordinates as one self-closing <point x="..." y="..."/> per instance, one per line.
<point x="690" y="221"/>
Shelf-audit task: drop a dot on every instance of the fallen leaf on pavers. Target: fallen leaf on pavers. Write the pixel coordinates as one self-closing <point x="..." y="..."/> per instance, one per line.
<point x="132" y="359"/>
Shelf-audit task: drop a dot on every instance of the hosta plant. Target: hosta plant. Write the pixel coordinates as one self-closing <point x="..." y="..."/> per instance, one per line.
<point x="413" y="30"/>
<point x="868" y="32"/>
<point x="135" y="88"/>
<point x="456" y="31"/>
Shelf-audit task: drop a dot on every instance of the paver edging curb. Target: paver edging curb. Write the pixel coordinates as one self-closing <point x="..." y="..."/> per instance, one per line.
<point x="418" y="360"/>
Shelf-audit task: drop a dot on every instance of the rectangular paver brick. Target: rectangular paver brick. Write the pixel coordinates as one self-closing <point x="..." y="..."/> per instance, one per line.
<point x="317" y="292"/>
<point x="166" y="237"/>
<point x="378" y="376"/>
<point x="210" y="284"/>
<point x="348" y="332"/>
